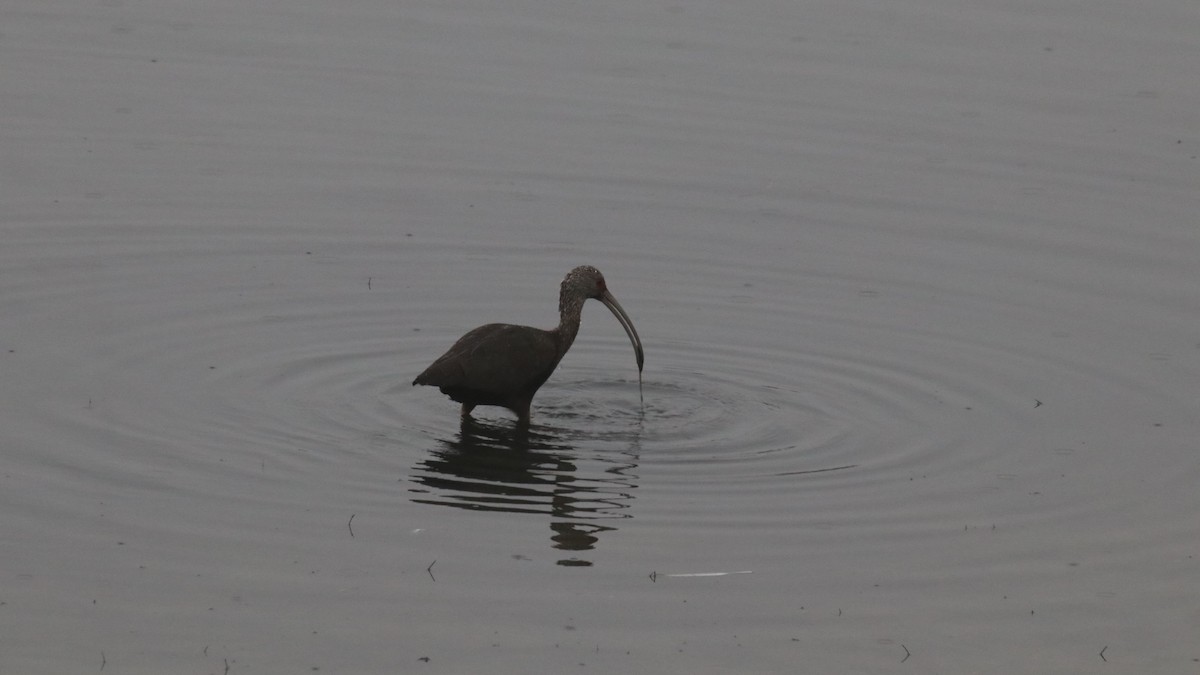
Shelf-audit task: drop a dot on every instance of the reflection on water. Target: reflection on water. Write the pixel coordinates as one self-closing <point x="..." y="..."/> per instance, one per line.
<point x="498" y="467"/>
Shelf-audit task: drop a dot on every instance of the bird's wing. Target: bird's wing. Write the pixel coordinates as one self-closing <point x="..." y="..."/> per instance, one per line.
<point x="497" y="357"/>
<point x="508" y="358"/>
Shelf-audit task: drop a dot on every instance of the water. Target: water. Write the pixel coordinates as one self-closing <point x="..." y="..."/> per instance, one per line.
<point x="916" y="283"/>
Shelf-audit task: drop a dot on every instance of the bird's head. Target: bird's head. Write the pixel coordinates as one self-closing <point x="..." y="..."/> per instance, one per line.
<point x="585" y="281"/>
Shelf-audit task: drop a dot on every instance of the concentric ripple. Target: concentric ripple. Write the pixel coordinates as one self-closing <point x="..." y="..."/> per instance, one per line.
<point x="832" y="414"/>
<point x="203" y="375"/>
<point x="837" y="419"/>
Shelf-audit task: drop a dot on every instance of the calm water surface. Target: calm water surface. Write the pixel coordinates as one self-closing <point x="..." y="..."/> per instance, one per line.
<point x="916" y="282"/>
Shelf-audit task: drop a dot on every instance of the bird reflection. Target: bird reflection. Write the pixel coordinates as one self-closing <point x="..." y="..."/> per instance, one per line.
<point x="536" y="469"/>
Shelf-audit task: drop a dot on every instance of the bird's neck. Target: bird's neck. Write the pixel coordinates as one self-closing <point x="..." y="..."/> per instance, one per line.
<point x="570" y="310"/>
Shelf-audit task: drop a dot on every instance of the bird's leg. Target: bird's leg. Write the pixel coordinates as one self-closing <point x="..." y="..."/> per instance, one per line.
<point x="521" y="407"/>
<point x="467" y="408"/>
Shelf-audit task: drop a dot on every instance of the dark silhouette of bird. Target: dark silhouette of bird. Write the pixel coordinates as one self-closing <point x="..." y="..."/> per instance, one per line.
<point x="504" y="365"/>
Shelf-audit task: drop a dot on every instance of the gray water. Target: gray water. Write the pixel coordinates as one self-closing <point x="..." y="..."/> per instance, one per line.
<point x="917" y="282"/>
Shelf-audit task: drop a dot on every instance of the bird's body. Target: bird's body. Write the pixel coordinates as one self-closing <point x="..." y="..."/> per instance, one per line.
<point x="504" y="365"/>
<point x="488" y="366"/>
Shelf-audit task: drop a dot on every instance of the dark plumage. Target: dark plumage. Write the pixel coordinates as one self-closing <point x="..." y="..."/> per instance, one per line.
<point x="504" y="365"/>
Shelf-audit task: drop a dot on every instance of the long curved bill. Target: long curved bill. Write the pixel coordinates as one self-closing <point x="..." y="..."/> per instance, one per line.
<point x="615" y="307"/>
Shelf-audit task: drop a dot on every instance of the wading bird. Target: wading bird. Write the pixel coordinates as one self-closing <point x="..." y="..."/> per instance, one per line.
<point x="504" y="365"/>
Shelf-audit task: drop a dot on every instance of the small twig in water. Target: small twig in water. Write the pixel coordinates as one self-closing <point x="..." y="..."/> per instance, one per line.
<point x="349" y="524"/>
<point x="906" y="654"/>
<point x="1102" y="654"/>
<point x="103" y="660"/>
<point x="226" y="666"/>
<point x="430" y="570"/>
